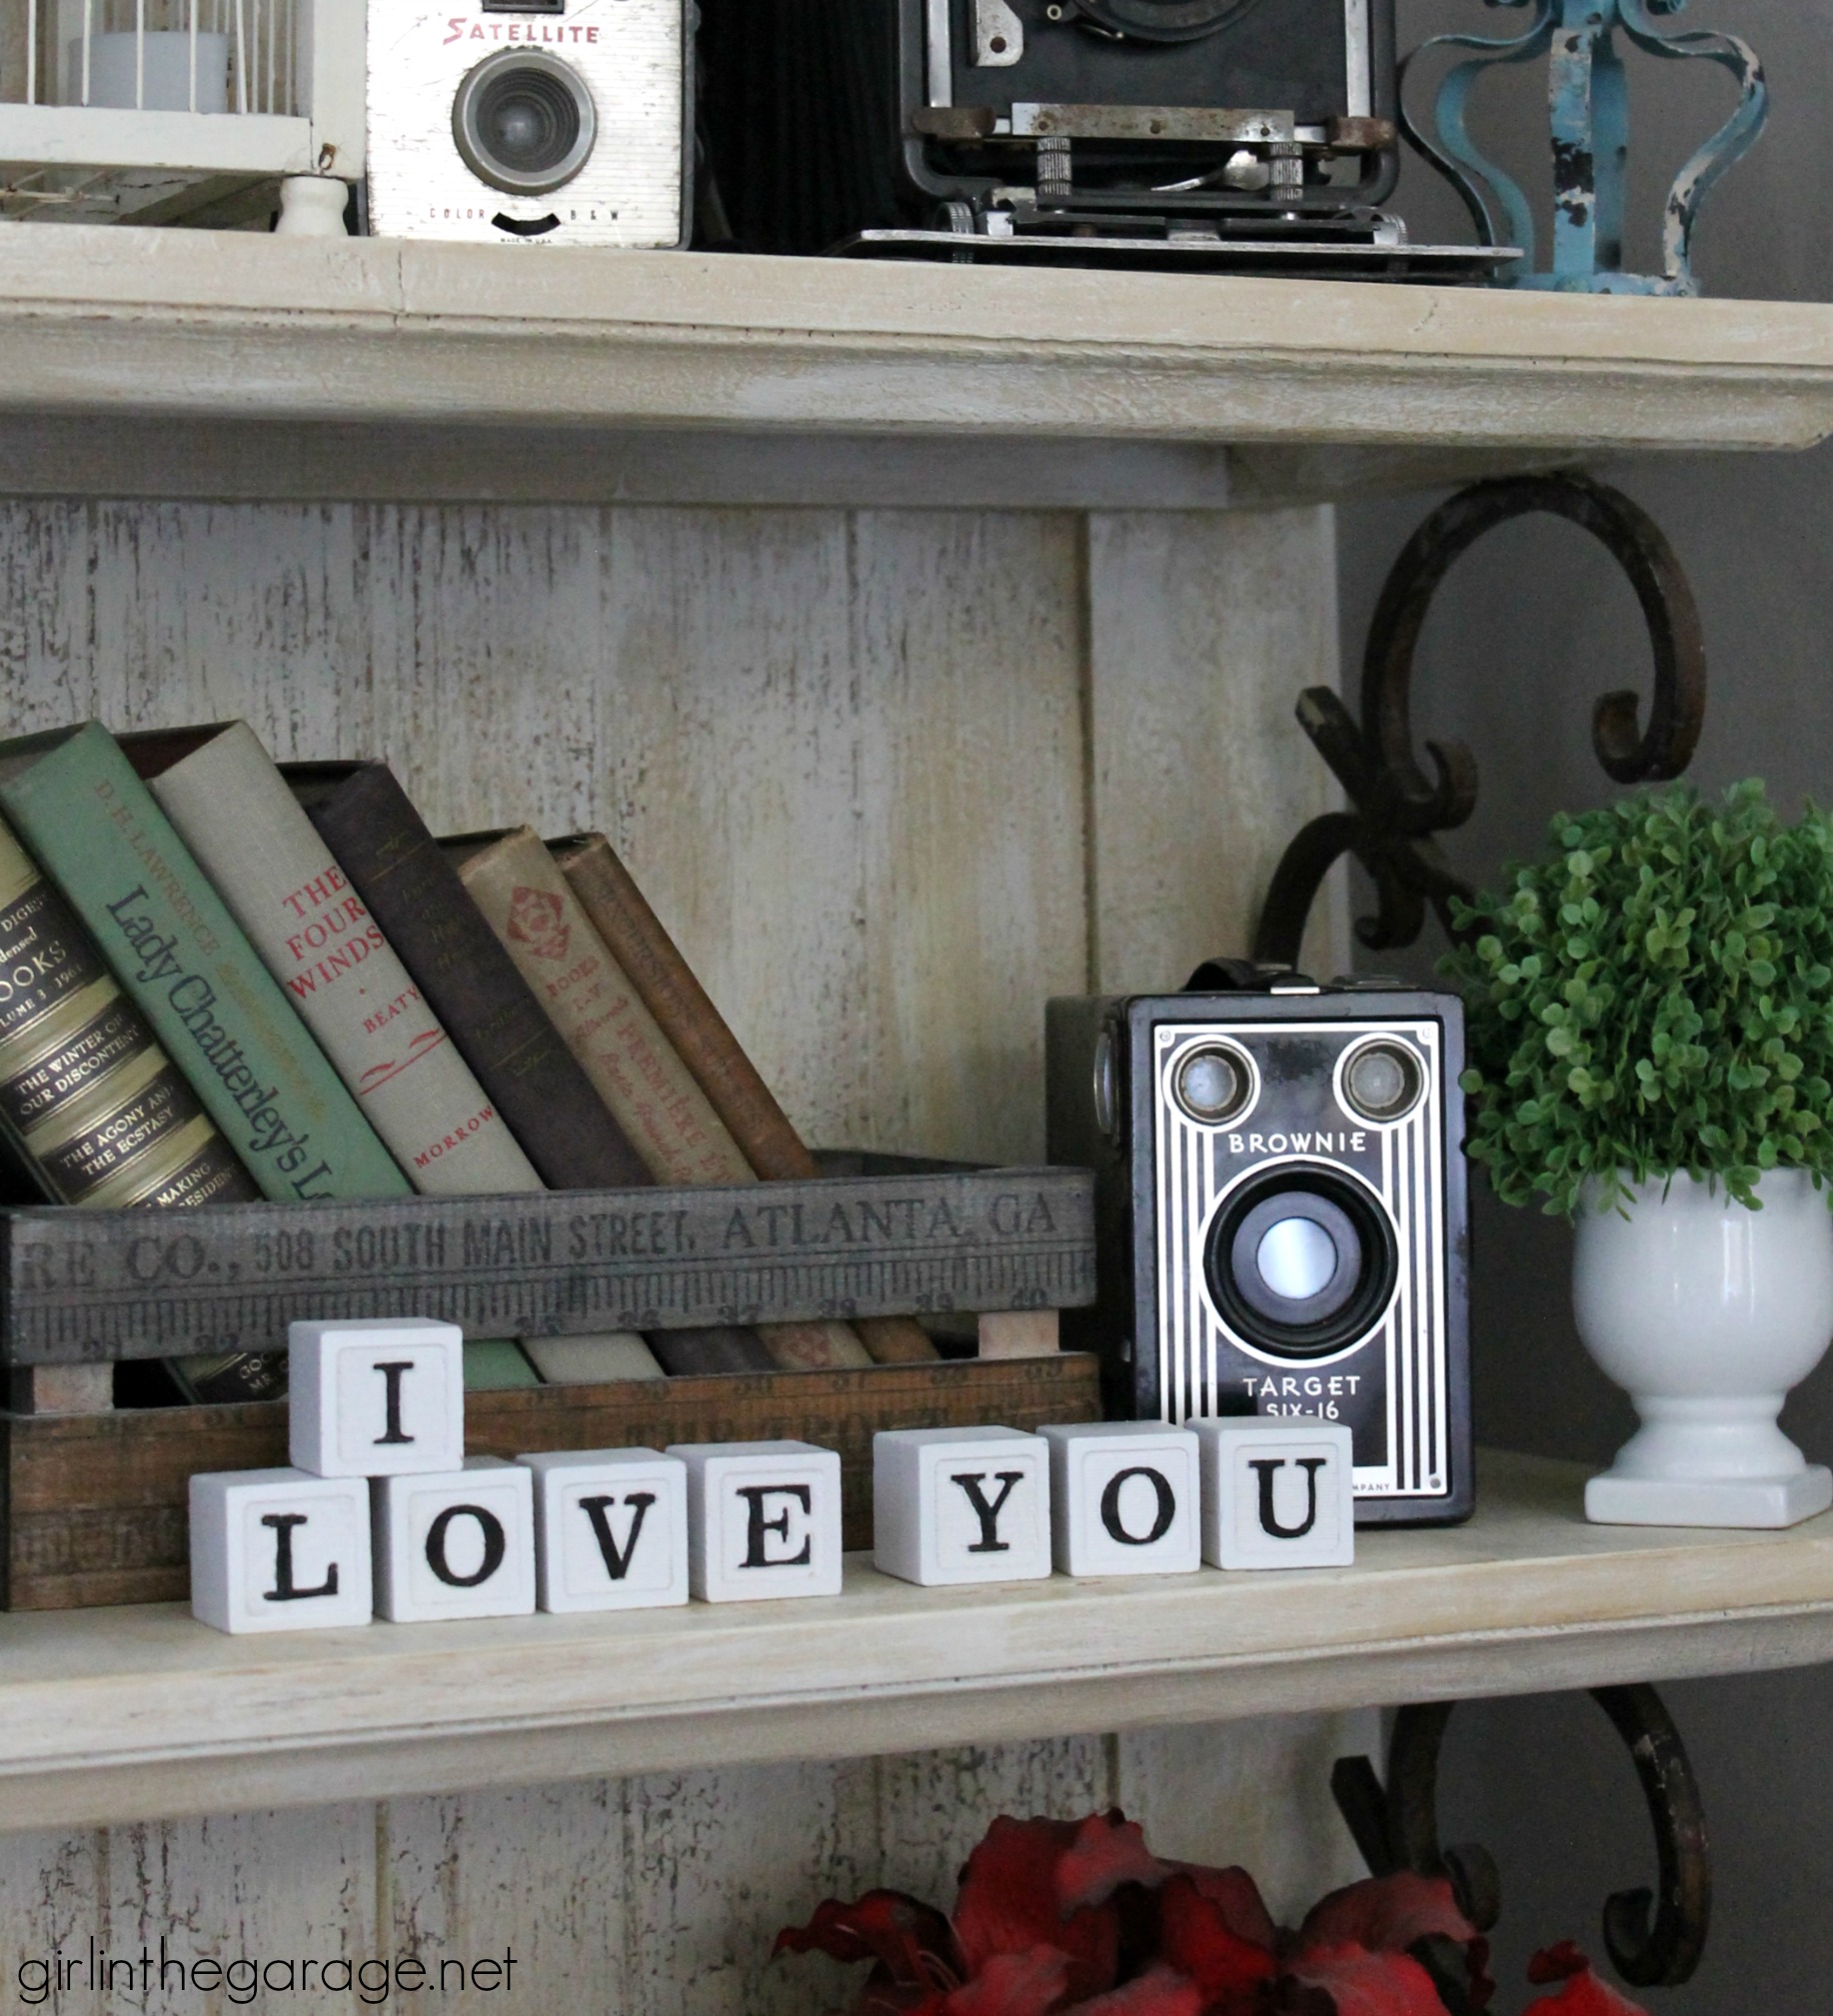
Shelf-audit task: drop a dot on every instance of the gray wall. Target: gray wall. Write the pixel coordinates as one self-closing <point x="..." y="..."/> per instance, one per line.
<point x="1534" y="626"/>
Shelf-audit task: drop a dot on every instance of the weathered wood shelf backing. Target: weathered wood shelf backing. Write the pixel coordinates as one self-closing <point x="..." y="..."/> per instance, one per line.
<point x="128" y="1714"/>
<point x="118" y="332"/>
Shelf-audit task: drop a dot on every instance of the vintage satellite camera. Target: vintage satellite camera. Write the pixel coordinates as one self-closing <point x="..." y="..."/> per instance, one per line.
<point x="1282" y="1215"/>
<point x="1044" y="128"/>
<point x="556" y="122"/>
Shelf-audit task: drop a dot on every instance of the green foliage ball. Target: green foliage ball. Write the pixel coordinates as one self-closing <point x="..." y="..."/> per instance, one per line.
<point x="1653" y="994"/>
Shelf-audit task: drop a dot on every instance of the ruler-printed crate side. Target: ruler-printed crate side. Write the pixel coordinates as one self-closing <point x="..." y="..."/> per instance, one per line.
<point x="82" y="1287"/>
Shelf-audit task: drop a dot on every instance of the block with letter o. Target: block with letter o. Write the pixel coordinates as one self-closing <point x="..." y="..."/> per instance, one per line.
<point x="1277" y="1494"/>
<point x="461" y="1544"/>
<point x="764" y="1520"/>
<point x="278" y="1550"/>
<point x="1126" y="1498"/>
<point x="611" y="1529"/>
<point x="958" y="1506"/>
<point x="375" y="1399"/>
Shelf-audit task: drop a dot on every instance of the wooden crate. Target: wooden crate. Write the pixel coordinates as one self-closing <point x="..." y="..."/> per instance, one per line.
<point x="95" y="1503"/>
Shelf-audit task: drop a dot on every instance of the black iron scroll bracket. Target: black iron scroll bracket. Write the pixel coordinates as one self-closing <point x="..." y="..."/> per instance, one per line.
<point x="1395" y="810"/>
<point x="1654" y="1938"/>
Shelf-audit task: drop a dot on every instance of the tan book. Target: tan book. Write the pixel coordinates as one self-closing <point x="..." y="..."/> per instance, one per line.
<point x="651" y="1094"/>
<point x="704" y="1041"/>
<point x="220" y="789"/>
<point x="591" y="1360"/>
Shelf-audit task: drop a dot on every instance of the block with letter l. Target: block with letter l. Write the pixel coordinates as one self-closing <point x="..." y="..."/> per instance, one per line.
<point x="611" y="1529"/>
<point x="764" y="1520"/>
<point x="953" y="1505"/>
<point x="460" y="1544"/>
<point x="1277" y="1494"/>
<point x="1126" y="1498"/>
<point x="382" y="1399"/>
<point x="278" y="1550"/>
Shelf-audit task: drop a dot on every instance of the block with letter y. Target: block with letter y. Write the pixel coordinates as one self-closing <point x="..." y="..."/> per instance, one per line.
<point x="611" y="1529"/>
<point x="1277" y="1494"/>
<point x="383" y="1399"/>
<point x="764" y="1520"/>
<point x="954" y="1506"/>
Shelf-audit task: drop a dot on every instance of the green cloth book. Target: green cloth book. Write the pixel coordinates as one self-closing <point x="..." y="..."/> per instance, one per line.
<point x="221" y="1016"/>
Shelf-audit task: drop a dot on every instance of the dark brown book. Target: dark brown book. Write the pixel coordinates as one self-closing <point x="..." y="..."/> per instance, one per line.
<point x="704" y="1041"/>
<point x="472" y="986"/>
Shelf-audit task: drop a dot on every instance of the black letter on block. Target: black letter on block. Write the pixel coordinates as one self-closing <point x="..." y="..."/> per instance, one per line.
<point x="283" y="1591"/>
<point x="754" y="1495"/>
<point x="1111" y="1508"/>
<point x="496" y="1545"/>
<point x="617" y="1565"/>
<point x="392" y="1375"/>
<point x="1269" y="1523"/>
<point x="988" y="1515"/>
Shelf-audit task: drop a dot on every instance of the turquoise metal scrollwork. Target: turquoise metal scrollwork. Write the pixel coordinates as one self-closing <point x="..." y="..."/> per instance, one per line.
<point x="1590" y="97"/>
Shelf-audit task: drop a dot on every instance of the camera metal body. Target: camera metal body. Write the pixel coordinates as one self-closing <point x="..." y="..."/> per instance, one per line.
<point x="1067" y="118"/>
<point x="546" y="122"/>
<point x="1282" y="1217"/>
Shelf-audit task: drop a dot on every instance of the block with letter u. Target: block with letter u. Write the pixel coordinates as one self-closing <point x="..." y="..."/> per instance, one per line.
<point x="1277" y="1494"/>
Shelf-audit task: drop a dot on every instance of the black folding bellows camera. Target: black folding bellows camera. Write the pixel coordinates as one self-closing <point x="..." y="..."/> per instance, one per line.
<point x="1074" y="125"/>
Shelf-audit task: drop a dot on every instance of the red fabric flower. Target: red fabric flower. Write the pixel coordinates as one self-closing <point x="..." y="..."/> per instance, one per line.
<point x="1062" y="1918"/>
<point x="1581" y="1993"/>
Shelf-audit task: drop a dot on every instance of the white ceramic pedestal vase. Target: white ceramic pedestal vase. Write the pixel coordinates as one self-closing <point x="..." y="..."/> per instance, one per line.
<point x="1707" y="1314"/>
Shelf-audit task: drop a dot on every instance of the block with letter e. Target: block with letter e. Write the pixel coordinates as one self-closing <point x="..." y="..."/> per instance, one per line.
<point x="961" y="1505"/>
<point x="460" y="1544"/>
<point x="611" y="1529"/>
<point x="382" y="1399"/>
<point x="1126" y="1498"/>
<point x="278" y="1550"/>
<point x="764" y="1519"/>
<point x="1277" y="1494"/>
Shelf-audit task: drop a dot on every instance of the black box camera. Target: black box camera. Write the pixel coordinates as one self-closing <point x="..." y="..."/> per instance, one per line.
<point x="1281" y="1216"/>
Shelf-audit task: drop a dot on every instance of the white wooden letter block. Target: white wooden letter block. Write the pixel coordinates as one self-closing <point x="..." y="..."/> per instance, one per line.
<point x="1126" y="1498"/>
<point x="1277" y="1494"/>
<point x="456" y="1546"/>
<point x="611" y="1529"/>
<point x="278" y="1550"/>
<point x="375" y="1399"/>
<point x="764" y="1519"/>
<point x="961" y="1505"/>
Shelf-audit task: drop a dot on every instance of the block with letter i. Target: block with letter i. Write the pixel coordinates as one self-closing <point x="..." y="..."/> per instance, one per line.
<point x="457" y="1544"/>
<point x="611" y="1529"/>
<point x="764" y="1520"/>
<point x="957" y="1505"/>
<point x="1277" y="1494"/>
<point x="278" y="1550"/>
<point x="1126" y="1498"/>
<point x="375" y="1399"/>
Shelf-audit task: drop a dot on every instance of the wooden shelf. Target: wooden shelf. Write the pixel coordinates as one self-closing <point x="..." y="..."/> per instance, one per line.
<point x="127" y="1715"/>
<point x="368" y="368"/>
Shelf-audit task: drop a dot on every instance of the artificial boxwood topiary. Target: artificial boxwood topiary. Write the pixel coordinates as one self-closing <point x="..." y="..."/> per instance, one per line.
<point x="1653" y="994"/>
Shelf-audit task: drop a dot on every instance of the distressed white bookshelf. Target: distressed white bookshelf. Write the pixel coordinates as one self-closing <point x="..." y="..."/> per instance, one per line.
<point x="110" y="1716"/>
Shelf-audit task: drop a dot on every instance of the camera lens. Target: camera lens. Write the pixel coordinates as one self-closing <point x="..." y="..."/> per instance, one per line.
<point x="1214" y="1084"/>
<point x="524" y="122"/>
<point x="1383" y="1081"/>
<point x="1301" y="1262"/>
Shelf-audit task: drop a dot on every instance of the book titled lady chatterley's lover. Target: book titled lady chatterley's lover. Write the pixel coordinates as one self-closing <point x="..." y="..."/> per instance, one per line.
<point x="230" y="803"/>
<point x="519" y="886"/>
<point x="180" y="958"/>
